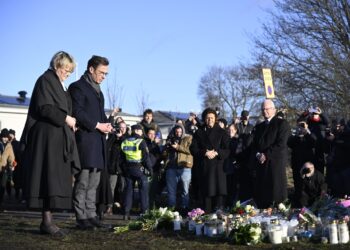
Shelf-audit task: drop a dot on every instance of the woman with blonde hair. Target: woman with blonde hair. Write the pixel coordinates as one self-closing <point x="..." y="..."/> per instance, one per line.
<point x="50" y="149"/>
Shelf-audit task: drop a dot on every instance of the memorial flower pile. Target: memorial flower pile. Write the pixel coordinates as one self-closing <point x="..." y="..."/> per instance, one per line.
<point x="243" y="224"/>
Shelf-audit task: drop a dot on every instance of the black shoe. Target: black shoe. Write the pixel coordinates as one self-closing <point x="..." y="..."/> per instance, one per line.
<point x="101" y="216"/>
<point x="97" y="223"/>
<point x="85" y="225"/>
<point x="53" y="231"/>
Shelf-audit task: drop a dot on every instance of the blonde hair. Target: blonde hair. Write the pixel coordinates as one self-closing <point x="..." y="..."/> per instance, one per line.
<point x="62" y="59"/>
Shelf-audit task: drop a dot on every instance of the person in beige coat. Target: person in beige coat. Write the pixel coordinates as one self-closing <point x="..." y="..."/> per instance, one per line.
<point x="178" y="167"/>
<point x="7" y="159"/>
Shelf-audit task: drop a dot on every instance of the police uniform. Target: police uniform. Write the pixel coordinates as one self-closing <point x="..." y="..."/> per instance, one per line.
<point x="137" y="168"/>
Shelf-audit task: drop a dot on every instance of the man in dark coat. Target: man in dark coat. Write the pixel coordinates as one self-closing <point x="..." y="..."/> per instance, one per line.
<point x="245" y="138"/>
<point x="88" y="108"/>
<point x="270" y="151"/>
<point x="211" y="146"/>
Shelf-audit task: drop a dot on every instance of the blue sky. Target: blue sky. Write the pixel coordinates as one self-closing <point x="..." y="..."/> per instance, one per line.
<point x="159" y="47"/>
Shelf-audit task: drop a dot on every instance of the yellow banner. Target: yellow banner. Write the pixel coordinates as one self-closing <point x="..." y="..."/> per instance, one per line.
<point x="269" y="91"/>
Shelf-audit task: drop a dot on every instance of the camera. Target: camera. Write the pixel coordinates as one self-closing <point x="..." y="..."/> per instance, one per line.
<point x="193" y="129"/>
<point x="306" y="171"/>
<point x="117" y="129"/>
<point x="299" y="131"/>
<point x="172" y="141"/>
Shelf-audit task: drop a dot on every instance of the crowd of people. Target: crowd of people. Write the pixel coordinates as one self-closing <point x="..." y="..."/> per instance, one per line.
<point x="71" y="155"/>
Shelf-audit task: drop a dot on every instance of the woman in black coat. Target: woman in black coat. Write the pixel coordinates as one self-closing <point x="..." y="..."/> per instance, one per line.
<point x="50" y="148"/>
<point x="210" y="146"/>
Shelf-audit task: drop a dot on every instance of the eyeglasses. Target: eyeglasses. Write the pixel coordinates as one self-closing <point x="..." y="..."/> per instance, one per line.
<point x="99" y="72"/>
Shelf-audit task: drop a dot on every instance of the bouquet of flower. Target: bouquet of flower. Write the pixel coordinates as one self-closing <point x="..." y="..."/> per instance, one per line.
<point x="246" y="207"/>
<point x="246" y="234"/>
<point x="238" y="209"/>
<point x="326" y="206"/>
<point x="306" y="215"/>
<point x="237" y="221"/>
<point x="151" y="220"/>
<point x="195" y="214"/>
<point x="284" y="208"/>
<point x="344" y="202"/>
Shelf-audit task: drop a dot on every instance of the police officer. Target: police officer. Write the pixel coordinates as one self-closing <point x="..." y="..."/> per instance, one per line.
<point x="137" y="168"/>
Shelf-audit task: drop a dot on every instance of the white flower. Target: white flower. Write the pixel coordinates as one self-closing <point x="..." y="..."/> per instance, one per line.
<point x="213" y="217"/>
<point x="162" y="210"/>
<point x="248" y="208"/>
<point x="175" y="214"/>
<point x="282" y="207"/>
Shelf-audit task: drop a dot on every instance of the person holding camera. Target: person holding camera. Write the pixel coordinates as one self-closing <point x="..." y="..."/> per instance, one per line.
<point x="138" y="167"/>
<point x="302" y="145"/>
<point x="179" y="162"/>
<point x="313" y="185"/>
<point x="338" y="160"/>
<point x="192" y="124"/>
<point x="114" y="163"/>
<point x="317" y="124"/>
<point x="158" y="182"/>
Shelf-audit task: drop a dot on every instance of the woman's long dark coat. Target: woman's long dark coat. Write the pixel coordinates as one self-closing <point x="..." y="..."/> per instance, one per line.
<point x="50" y="149"/>
<point x="212" y="178"/>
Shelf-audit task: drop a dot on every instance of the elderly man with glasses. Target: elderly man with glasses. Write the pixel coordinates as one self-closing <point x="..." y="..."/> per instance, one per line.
<point x="270" y="151"/>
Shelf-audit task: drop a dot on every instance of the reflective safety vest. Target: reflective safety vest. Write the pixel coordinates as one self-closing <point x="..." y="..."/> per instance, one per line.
<point x="130" y="147"/>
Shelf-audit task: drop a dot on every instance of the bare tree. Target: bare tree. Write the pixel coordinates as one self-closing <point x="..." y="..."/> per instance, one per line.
<point x="142" y="98"/>
<point x="231" y="89"/>
<point x="307" y="46"/>
<point x="115" y="93"/>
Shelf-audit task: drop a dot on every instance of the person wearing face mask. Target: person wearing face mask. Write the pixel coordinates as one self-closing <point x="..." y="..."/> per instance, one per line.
<point x="210" y="147"/>
<point x="50" y="151"/>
